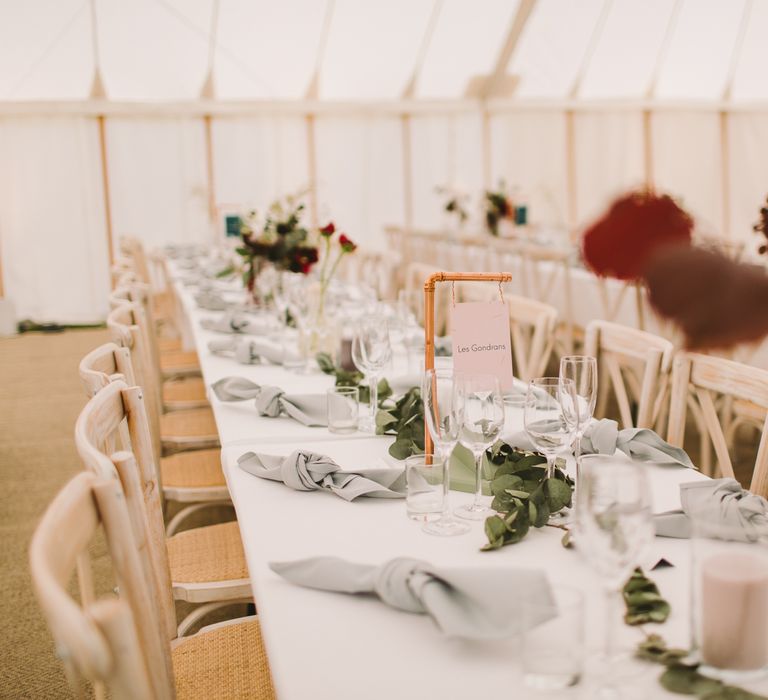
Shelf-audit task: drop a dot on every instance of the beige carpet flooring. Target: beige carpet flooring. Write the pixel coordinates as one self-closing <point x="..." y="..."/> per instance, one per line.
<point x="40" y="399"/>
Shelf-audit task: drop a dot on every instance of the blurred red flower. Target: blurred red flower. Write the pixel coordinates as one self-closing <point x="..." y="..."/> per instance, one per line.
<point x="347" y="245"/>
<point x="635" y="227"/>
<point x="328" y="230"/>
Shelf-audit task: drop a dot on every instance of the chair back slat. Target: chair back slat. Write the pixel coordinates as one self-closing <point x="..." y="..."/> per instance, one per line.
<point x="634" y="366"/>
<point x="699" y="382"/>
<point x="113" y="641"/>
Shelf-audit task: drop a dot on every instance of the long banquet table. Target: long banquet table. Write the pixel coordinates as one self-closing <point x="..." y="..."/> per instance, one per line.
<point x="339" y="647"/>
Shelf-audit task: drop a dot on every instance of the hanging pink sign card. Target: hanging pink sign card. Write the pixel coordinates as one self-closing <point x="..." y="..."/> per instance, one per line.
<point x="480" y="335"/>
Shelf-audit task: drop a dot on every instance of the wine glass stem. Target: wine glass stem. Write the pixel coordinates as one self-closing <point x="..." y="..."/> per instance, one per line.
<point x="612" y="598"/>
<point x="478" y="480"/>
<point x="373" y="396"/>
<point x="550" y="465"/>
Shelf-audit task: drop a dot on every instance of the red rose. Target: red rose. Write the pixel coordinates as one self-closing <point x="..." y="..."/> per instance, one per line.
<point x="346" y="244"/>
<point x="635" y="227"/>
<point x="328" y="230"/>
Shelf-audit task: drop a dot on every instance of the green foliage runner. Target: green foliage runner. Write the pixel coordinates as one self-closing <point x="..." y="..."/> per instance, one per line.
<point x="352" y="378"/>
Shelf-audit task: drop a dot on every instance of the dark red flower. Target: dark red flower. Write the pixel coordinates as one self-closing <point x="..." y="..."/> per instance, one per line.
<point x="636" y="226"/>
<point x="328" y="230"/>
<point x="346" y="244"/>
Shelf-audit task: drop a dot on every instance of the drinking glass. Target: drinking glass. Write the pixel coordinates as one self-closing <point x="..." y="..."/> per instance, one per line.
<point x="614" y="529"/>
<point x="482" y="408"/>
<point x="582" y="370"/>
<point x="443" y="417"/>
<point x="371" y="352"/>
<point x="546" y="424"/>
<point x="343" y="408"/>
<point x="425" y="478"/>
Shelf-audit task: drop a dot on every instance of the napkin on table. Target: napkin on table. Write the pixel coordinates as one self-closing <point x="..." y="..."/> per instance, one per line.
<point x="308" y="471"/>
<point x="248" y="351"/>
<point x="604" y="437"/>
<point x="719" y="502"/>
<point x="271" y="401"/>
<point x="482" y="603"/>
<point x="235" y="323"/>
<point x="211" y="300"/>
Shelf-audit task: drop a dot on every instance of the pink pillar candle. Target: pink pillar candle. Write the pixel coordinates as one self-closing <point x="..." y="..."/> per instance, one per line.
<point x="734" y="611"/>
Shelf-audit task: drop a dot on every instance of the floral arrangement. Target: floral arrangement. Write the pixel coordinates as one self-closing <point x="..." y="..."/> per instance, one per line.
<point x="281" y="240"/>
<point x="635" y="226"/>
<point x="498" y="206"/>
<point x="762" y="227"/>
<point x="455" y="204"/>
<point x="328" y="268"/>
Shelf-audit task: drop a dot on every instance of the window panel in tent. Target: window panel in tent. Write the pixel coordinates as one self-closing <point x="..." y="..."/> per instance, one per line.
<point x="157" y="167"/>
<point x="446" y="152"/>
<point x="528" y="154"/>
<point x="153" y="49"/>
<point x="750" y="81"/>
<point x="372" y="48"/>
<point x="687" y="163"/>
<point x="258" y="159"/>
<point x="360" y="187"/>
<point x="267" y="49"/>
<point x="552" y="47"/>
<point x="465" y="44"/>
<point x="699" y="56"/>
<point x="45" y="50"/>
<point x="609" y="159"/>
<point x="627" y="49"/>
<point x="748" y="173"/>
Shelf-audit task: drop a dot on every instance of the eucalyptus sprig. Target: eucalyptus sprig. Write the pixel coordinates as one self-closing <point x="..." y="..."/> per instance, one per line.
<point x="352" y="378"/>
<point x="523" y="495"/>
<point x="643" y="600"/>
<point x="405" y="420"/>
<point x="684" y="678"/>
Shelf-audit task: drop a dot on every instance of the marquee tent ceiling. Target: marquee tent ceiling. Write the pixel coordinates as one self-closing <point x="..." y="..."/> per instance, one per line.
<point x="375" y="50"/>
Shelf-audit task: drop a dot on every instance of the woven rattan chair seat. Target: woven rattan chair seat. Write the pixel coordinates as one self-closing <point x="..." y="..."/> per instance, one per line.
<point x="184" y="391"/>
<point x="198" y="468"/>
<point x="206" y="554"/>
<point x="227" y="662"/>
<point x="191" y="424"/>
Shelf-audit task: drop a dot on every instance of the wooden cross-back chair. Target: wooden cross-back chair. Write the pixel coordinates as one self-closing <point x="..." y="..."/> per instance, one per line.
<point x="193" y="428"/>
<point x="122" y="642"/>
<point x="706" y="378"/>
<point x="415" y="276"/>
<point x="636" y="366"/>
<point x="204" y="565"/>
<point x="193" y="478"/>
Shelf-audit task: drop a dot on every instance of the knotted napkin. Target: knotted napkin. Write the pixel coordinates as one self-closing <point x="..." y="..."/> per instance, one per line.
<point x="470" y="603"/>
<point x="604" y="437"/>
<point x="271" y="401"/>
<point x="235" y="323"/>
<point x="307" y="471"/>
<point x="248" y="352"/>
<point x="717" y="503"/>
<point x="211" y="301"/>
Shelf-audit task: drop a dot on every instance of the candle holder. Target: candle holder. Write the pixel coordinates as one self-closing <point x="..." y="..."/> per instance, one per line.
<point x="729" y="603"/>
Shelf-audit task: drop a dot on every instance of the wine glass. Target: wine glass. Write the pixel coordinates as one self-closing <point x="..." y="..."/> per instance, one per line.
<point x="614" y="528"/>
<point x="548" y="426"/>
<point x="582" y="370"/>
<point x="371" y="352"/>
<point x="443" y="416"/>
<point x="482" y="406"/>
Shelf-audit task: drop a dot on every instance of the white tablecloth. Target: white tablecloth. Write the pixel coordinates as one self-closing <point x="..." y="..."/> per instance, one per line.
<point x="339" y="647"/>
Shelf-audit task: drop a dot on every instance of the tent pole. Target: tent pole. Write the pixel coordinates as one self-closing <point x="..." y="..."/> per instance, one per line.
<point x="724" y="174"/>
<point x="648" y="149"/>
<point x="570" y="171"/>
<point x="105" y="186"/>
<point x="405" y="123"/>
<point x="312" y="167"/>
<point x="209" y="172"/>
<point x="486" y="149"/>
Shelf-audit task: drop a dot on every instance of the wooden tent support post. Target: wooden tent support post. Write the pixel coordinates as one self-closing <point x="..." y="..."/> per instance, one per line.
<point x="429" y="317"/>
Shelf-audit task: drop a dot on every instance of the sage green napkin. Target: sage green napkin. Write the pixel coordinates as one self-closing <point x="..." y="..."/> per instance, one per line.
<point x="211" y="300"/>
<point x="248" y="351"/>
<point x="604" y="437"/>
<point x="236" y="323"/>
<point x="308" y="471"/>
<point x="718" y="503"/>
<point x="470" y="603"/>
<point x="271" y="401"/>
